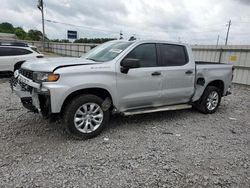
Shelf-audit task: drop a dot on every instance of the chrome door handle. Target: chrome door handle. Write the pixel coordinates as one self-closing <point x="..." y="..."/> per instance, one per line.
<point x="189" y="72"/>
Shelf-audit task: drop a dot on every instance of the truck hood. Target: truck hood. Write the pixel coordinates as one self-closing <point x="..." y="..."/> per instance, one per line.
<point x="50" y="64"/>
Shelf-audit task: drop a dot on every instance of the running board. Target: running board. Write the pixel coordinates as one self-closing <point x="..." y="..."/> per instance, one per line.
<point x="157" y="109"/>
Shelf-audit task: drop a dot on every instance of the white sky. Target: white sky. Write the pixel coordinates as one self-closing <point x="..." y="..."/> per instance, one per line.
<point x="191" y="21"/>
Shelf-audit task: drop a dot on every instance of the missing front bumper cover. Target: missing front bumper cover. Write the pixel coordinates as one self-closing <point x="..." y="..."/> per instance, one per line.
<point x="30" y="97"/>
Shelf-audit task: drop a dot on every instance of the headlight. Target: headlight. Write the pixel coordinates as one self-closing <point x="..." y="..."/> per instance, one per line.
<point x="45" y="77"/>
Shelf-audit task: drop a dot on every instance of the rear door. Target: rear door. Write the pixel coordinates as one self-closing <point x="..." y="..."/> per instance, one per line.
<point x="178" y="74"/>
<point x="21" y="54"/>
<point x="140" y="87"/>
<point x="6" y="59"/>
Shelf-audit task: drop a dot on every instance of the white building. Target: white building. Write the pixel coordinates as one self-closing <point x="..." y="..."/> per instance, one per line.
<point x="7" y="36"/>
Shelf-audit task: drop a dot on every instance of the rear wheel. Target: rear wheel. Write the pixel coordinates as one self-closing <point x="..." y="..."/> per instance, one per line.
<point x="210" y="100"/>
<point x="84" y="116"/>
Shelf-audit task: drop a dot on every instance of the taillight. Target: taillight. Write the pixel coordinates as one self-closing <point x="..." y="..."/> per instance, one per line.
<point x="39" y="56"/>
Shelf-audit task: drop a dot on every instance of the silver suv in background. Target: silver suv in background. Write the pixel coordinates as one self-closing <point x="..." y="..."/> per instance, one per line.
<point x="126" y="77"/>
<point x="13" y="54"/>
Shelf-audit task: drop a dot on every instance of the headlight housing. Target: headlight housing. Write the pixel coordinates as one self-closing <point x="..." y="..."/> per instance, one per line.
<point x="45" y="77"/>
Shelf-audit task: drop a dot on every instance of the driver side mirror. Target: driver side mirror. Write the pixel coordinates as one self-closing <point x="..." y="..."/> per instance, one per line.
<point x="129" y="63"/>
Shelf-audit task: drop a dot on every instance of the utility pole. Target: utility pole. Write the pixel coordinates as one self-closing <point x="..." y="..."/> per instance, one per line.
<point x="40" y="7"/>
<point x="228" y="29"/>
<point x="217" y="43"/>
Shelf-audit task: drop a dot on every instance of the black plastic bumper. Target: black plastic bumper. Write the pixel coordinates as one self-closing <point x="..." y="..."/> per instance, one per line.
<point x="27" y="103"/>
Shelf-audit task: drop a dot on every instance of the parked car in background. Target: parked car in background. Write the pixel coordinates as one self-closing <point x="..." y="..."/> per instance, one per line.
<point x="126" y="77"/>
<point x="13" y="54"/>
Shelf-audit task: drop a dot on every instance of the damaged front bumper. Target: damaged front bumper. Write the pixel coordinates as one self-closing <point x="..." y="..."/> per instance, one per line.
<point x="32" y="96"/>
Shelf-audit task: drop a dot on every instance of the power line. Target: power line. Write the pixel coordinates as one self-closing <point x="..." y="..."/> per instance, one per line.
<point x="92" y="28"/>
<point x="242" y="22"/>
<point x="163" y="32"/>
<point x="118" y="32"/>
<point x="86" y="27"/>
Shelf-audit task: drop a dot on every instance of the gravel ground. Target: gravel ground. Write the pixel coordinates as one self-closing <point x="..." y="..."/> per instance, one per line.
<point x="167" y="149"/>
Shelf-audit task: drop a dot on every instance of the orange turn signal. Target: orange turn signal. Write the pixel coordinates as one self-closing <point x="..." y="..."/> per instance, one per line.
<point x="53" y="77"/>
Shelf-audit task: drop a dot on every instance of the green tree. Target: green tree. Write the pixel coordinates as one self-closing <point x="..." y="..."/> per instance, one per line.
<point x="35" y="35"/>
<point x="6" y="27"/>
<point x="27" y="37"/>
<point x="20" y="33"/>
<point x="64" y="40"/>
<point x="93" y="40"/>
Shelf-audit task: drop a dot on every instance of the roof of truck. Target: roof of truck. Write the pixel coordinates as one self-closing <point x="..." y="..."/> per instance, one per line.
<point x="154" y="41"/>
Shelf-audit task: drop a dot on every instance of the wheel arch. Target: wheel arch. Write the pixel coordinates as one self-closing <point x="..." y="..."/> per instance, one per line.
<point x="100" y="92"/>
<point x="18" y="65"/>
<point x="217" y="83"/>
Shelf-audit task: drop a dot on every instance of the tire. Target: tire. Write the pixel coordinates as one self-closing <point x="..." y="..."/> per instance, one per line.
<point x="84" y="118"/>
<point x="203" y="104"/>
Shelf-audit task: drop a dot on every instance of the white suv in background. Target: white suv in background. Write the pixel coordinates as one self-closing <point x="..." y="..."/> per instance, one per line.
<point x="13" y="54"/>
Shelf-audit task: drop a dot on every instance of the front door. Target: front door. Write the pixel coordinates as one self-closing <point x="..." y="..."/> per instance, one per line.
<point x="140" y="87"/>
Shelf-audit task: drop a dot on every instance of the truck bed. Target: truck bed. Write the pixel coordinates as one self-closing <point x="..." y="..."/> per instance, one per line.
<point x="212" y="71"/>
<point x="205" y="62"/>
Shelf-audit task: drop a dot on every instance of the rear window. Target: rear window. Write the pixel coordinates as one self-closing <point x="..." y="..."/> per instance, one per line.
<point x="7" y="51"/>
<point x="173" y="55"/>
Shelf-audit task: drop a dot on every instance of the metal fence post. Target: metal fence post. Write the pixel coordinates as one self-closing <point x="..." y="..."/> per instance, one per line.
<point x="220" y="55"/>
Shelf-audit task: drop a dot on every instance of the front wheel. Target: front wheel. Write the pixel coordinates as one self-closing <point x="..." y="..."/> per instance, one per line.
<point x="84" y="116"/>
<point x="210" y="100"/>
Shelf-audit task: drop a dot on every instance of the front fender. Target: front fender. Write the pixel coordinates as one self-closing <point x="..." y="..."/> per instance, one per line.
<point x="74" y="81"/>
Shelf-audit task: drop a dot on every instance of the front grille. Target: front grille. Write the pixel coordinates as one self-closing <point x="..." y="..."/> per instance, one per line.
<point x="24" y="87"/>
<point x="26" y="73"/>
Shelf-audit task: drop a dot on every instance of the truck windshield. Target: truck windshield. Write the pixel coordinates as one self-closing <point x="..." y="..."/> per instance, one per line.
<point x="107" y="51"/>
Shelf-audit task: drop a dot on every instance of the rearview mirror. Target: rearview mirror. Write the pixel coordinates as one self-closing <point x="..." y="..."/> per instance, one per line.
<point x="129" y="63"/>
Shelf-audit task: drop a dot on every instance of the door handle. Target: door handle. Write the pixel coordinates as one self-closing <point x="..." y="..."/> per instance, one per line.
<point x="189" y="72"/>
<point x="156" y="74"/>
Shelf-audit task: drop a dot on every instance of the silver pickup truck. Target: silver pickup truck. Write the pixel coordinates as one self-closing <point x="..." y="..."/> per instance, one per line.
<point x="126" y="77"/>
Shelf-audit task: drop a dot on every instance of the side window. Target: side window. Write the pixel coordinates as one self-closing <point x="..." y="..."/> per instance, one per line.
<point x="173" y="55"/>
<point x="2" y="52"/>
<point x="146" y="53"/>
<point x="20" y="51"/>
<point x="7" y="51"/>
